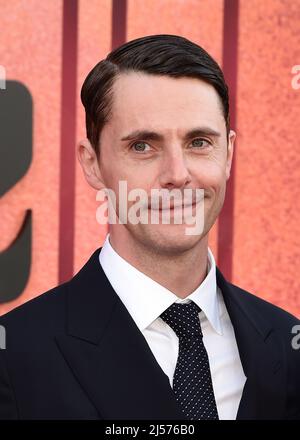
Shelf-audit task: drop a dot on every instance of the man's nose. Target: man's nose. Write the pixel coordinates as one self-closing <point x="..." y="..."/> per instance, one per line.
<point x="174" y="170"/>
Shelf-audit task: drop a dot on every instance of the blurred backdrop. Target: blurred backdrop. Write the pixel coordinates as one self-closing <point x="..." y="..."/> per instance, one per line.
<point x="48" y="225"/>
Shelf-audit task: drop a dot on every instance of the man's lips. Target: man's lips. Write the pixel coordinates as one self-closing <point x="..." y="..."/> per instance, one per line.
<point x="174" y="206"/>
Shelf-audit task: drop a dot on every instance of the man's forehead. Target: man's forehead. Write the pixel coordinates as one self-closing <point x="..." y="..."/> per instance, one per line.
<point x="138" y="106"/>
<point x="138" y="95"/>
<point x="131" y="82"/>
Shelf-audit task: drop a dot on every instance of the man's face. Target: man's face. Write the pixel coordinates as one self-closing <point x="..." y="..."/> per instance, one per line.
<point x="171" y="108"/>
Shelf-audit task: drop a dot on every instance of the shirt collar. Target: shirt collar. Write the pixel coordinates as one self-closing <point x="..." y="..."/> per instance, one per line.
<point x="146" y="300"/>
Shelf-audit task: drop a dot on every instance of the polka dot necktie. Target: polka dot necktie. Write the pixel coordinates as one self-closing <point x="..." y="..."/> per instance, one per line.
<point x="192" y="382"/>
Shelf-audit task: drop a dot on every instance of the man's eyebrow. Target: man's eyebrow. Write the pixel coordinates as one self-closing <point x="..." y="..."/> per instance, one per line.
<point x="154" y="136"/>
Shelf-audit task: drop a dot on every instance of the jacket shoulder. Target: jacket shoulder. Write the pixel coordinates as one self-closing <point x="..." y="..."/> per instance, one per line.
<point x="36" y="312"/>
<point x="277" y="315"/>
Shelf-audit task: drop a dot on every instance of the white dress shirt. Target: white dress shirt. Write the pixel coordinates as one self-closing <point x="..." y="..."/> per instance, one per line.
<point x="146" y="300"/>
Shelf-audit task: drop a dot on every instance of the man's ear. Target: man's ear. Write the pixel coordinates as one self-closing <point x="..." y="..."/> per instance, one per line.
<point x="230" y="148"/>
<point x="89" y="163"/>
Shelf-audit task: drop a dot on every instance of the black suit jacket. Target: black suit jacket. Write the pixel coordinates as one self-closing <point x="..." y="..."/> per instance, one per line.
<point x="75" y="353"/>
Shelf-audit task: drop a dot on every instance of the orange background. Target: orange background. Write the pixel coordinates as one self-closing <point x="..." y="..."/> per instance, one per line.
<point x="265" y="244"/>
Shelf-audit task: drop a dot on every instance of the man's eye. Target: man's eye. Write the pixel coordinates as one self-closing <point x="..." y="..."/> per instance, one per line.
<point x="201" y="143"/>
<point x="139" y="146"/>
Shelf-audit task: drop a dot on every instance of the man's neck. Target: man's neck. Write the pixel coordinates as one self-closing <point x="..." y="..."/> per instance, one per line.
<point x="180" y="273"/>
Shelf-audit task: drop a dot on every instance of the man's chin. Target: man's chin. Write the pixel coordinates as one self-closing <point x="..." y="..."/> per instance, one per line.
<point x="169" y="239"/>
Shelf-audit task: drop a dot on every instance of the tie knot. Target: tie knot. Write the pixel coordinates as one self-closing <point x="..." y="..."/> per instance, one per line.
<point x="183" y="319"/>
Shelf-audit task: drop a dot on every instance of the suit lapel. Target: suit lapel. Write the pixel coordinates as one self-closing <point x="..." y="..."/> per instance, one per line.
<point x="108" y="354"/>
<point x="114" y="365"/>
<point x="262" y="355"/>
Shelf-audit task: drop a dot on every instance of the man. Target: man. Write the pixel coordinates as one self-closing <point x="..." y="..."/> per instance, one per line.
<point x="149" y="328"/>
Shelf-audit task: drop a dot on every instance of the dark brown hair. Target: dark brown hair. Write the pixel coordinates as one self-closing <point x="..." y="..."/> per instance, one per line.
<point x="163" y="54"/>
